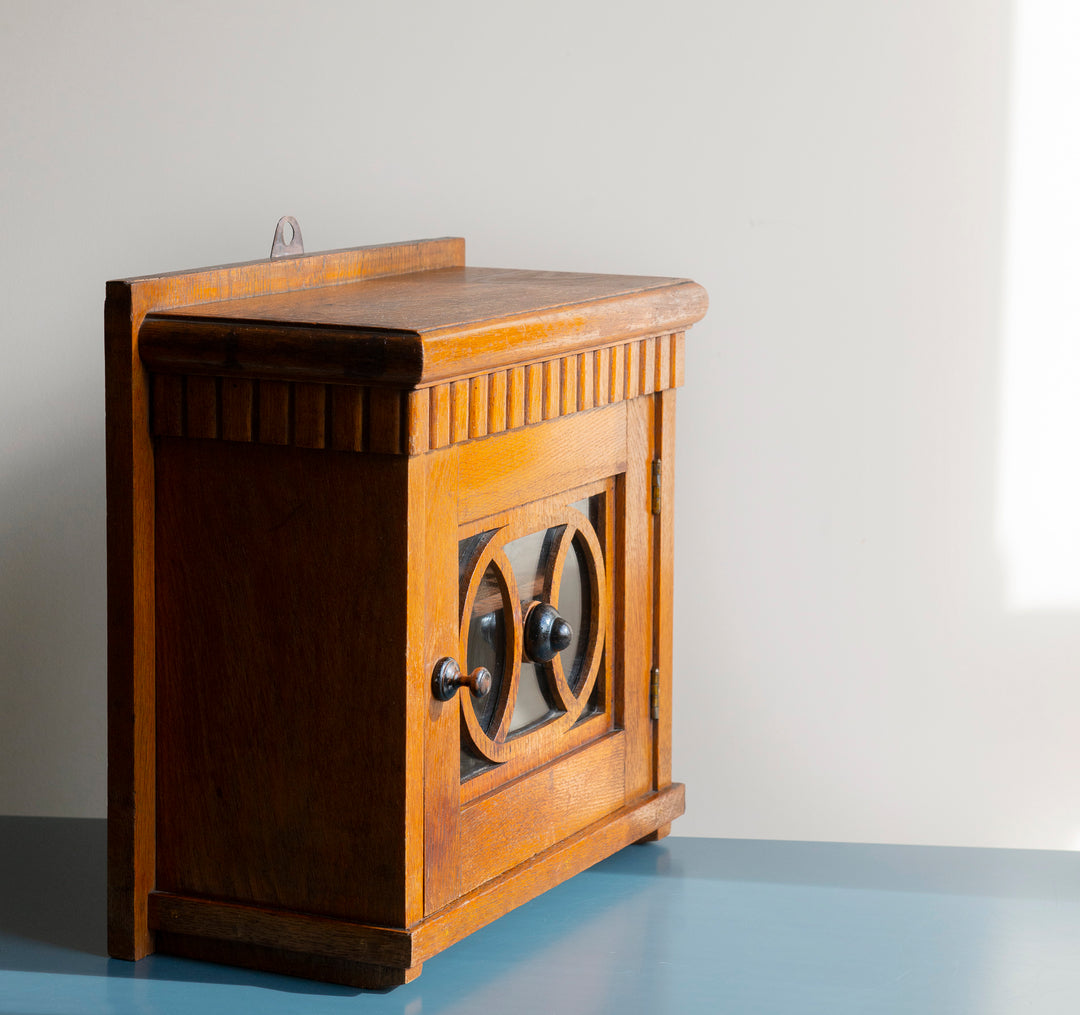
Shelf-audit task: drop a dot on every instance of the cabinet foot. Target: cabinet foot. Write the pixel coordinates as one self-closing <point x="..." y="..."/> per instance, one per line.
<point x="660" y="833"/>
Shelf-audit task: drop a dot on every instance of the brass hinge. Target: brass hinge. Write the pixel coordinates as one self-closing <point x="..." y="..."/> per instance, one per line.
<point x="657" y="466"/>
<point x="654" y="693"/>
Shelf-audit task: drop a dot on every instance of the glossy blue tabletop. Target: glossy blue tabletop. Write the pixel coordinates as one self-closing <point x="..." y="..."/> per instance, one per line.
<point x="685" y="925"/>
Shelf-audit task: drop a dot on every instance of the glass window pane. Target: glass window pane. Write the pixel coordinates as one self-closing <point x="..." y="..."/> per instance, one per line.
<point x="531" y="705"/>
<point x="487" y="642"/>
<point x="574" y="608"/>
<point x="529" y="556"/>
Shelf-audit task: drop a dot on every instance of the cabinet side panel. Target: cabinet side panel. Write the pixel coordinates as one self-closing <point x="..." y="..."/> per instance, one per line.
<point x="281" y="692"/>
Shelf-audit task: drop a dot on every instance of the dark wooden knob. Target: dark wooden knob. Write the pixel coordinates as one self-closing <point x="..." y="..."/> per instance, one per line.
<point x="448" y="677"/>
<point x="546" y="633"/>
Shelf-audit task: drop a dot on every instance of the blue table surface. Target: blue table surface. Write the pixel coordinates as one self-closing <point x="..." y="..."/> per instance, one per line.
<point x="685" y="925"/>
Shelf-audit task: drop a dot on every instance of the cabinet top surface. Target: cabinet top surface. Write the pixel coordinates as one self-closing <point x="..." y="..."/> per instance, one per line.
<point x="401" y="314"/>
<point x="426" y="301"/>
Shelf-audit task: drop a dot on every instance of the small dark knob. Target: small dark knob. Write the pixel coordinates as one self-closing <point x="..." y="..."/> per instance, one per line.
<point x="546" y="633"/>
<point x="448" y="677"/>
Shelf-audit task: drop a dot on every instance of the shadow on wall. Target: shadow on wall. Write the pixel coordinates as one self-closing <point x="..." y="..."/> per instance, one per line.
<point x="53" y="622"/>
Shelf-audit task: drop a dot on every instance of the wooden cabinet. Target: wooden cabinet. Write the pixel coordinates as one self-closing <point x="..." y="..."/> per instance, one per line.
<point x="340" y="485"/>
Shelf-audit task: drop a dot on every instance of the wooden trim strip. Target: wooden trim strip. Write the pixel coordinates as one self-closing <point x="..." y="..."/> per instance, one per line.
<point x="298" y="932"/>
<point x="315" y="270"/>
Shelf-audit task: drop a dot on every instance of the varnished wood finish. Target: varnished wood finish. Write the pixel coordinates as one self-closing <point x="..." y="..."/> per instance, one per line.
<point x="405" y="421"/>
<point x="502" y="829"/>
<point x="277" y="928"/>
<point x="129" y="482"/>
<point x="295" y="451"/>
<point x="274" y="704"/>
<point x="130" y="534"/>
<point x="663" y="584"/>
<point x="209" y="923"/>
<point x="420" y="328"/>
<point x="309" y="964"/>
<point x="433" y="634"/>
<point x="636" y="556"/>
<point x="555" y="865"/>
<point x="519" y="466"/>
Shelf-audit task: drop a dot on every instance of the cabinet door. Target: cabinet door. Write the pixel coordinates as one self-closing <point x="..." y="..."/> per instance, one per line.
<point x="545" y="518"/>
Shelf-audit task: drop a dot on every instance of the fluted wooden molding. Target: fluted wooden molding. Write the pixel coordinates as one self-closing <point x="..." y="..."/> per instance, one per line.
<point x="342" y="417"/>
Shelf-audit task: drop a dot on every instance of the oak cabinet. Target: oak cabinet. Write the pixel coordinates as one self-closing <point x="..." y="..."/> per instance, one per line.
<point x="389" y="598"/>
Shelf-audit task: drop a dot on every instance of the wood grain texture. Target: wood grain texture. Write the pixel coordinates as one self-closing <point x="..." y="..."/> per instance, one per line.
<point x="664" y="584"/>
<point x="459" y="411"/>
<point x="309" y="415"/>
<point x="555" y="865"/>
<point x="275" y="410"/>
<point x="237" y="410"/>
<point x="279" y="769"/>
<point x="632" y="375"/>
<point x="586" y="389"/>
<point x="500" y="830"/>
<point x="168" y="405"/>
<point x="401" y="421"/>
<point x="534" y="393"/>
<point x="663" y="363"/>
<point x="385" y="428"/>
<point x="418" y="411"/>
<point x="420" y="328"/>
<point x="437" y="932"/>
<point x="294" y="932"/>
<point x="617" y="384"/>
<point x="129" y="480"/>
<point x="280" y="735"/>
<point x="635" y="553"/>
<point x="433" y="634"/>
<point x="201" y="410"/>
<point x="568" y="377"/>
<point x="309" y="965"/>
<point x="648" y="367"/>
<point x="602" y="377"/>
<point x="478" y="406"/>
<point x="552" y="394"/>
<point x="497" y="402"/>
<point x="516" y="466"/>
<point x="439" y="424"/>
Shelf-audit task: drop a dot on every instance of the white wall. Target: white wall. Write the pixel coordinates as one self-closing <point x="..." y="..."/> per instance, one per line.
<point x="854" y="658"/>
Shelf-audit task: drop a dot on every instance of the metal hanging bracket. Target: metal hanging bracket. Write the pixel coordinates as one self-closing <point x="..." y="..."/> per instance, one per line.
<point x="294" y="246"/>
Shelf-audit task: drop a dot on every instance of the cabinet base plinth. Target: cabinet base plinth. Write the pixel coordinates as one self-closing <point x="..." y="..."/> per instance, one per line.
<point x="319" y="948"/>
<point x="347" y="972"/>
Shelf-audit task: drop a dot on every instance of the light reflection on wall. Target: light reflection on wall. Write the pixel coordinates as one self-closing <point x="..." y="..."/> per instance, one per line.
<point x="1039" y="497"/>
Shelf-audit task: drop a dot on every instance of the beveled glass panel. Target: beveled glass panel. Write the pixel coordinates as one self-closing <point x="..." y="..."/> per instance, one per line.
<point x="531" y="705"/>
<point x="527" y="556"/>
<point x="487" y="642"/>
<point x="530" y="557"/>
